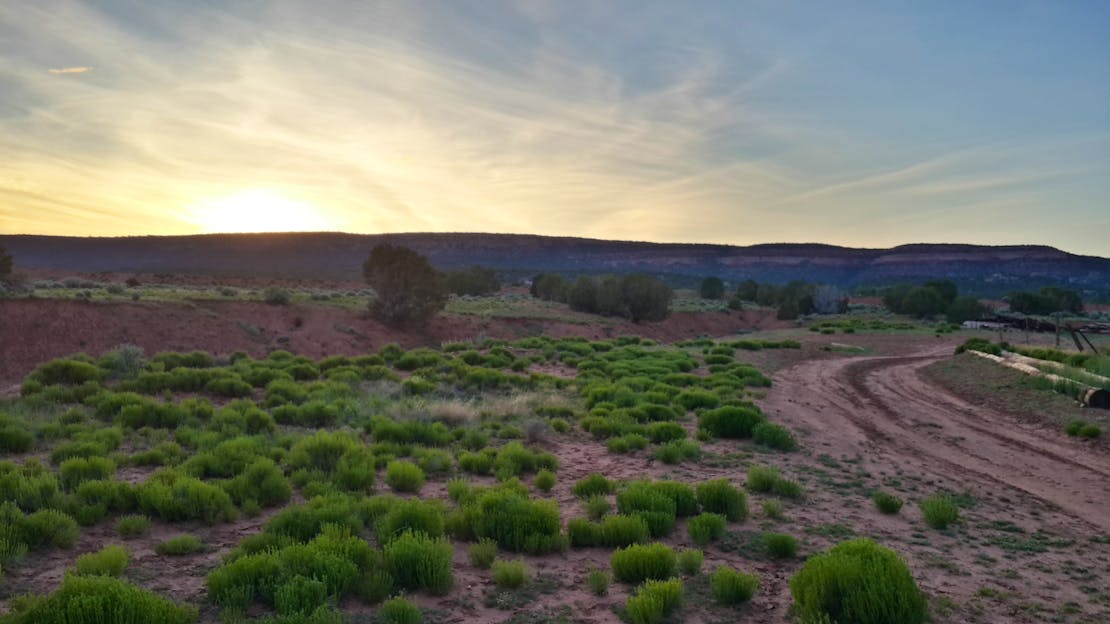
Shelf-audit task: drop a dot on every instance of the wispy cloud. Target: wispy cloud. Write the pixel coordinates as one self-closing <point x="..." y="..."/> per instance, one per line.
<point x="600" y="121"/>
<point x="69" y="70"/>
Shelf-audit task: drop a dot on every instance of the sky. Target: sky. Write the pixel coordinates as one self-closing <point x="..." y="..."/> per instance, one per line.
<point x="867" y="124"/>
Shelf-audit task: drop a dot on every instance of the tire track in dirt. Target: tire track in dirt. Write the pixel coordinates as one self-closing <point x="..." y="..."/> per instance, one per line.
<point x="881" y="407"/>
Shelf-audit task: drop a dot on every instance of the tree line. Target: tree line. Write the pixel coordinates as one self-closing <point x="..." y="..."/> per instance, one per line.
<point x="637" y="297"/>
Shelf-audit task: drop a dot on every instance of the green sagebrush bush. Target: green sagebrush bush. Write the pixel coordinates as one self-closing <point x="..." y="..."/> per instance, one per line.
<point x="640" y="562"/>
<point x="655" y="600"/>
<point x="729" y="586"/>
<point x="612" y="531"/>
<point x="172" y="496"/>
<point x="887" y="503"/>
<point x="304" y="522"/>
<point x="77" y="469"/>
<point x="545" y="480"/>
<point x="30" y="486"/>
<point x="108" y="561"/>
<point x="400" y="611"/>
<point x="334" y="557"/>
<point x="483" y="553"/>
<point x="426" y="517"/>
<point x="694" y="399"/>
<point x="417" y="561"/>
<point x="515" y="522"/>
<point x="657" y="503"/>
<point x="721" y="497"/>
<point x="592" y="485"/>
<point x="22" y="532"/>
<point x="300" y="595"/>
<point x="598" y="581"/>
<point x="690" y="560"/>
<point x="774" y="436"/>
<point x="404" y="476"/>
<point x="940" y="510"/>
<point x="132" y="526"/>
<point x="731" y="421"/>
<point x="511" y="574"/>
<point x="705" y="527"/>
<point x="596" y="506"/>
<point x="780" y="545"/>
<point x="857" y="581"/>
<point x="100" y="599"/>
<point x="180" y="545"/>
<point x="262" y="482"/>
<point x="677" y="451"/>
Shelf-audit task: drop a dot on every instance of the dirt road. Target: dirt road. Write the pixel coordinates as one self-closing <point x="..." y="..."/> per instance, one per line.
<point x="882" y="409"/>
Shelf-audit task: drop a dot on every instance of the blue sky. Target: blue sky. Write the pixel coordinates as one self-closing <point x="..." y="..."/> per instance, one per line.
<point x="853" y="123"/>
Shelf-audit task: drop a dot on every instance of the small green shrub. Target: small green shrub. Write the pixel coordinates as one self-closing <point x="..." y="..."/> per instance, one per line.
<point x="719" y="496"/>
<point x="655" y="600"/>
<point x="762" y="478"/>
<point x="417" y="561"/>
<point x="677" y="451"/>
<point x="887" y="503"/>
<point x="375" y="586"/>
<point x="788" y="488"/>
<point x="1090" y="431"/>
<point x="511" y="574"/>
<point x="857" y="581"/>
<point x="180" y="545"/>
<point x="774" y="436"/>
<point x="132" y="526"/>
<point x="731" y="421"/>
<point x="730" y="587"/>
<point x="597" y="506"/>
<point x="404" y="476"/>
<point x="705" y="527"/>
<point x="300" y="596"/>
<point x="598" y="581"/>
<point x="772" y="508"/>
<point x="77" y="469"/>
<point x="690" y="561"/>
<point x="940" y="510"/>
<point x="99" y="599"/>
<point x="640" y="562"/>
<point x="427" y="517"/>
<point x="656" y="506"/>
<point x="1074" y="427"/>
<point x="108" y="561"/>
<point x="47" y="527"/>
<point x="400" y="611"/>
<point x="593" y="485"/>
<point x="780" y="545"/>
<point x="545" y="480"/>
<point x="515" y="522"/>
<point x="483" y="553"/>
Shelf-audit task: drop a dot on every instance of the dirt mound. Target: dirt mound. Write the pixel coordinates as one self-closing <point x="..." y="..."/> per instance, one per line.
<point x="36" y="330"/>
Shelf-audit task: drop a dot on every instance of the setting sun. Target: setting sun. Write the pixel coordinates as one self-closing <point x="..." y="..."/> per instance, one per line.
<point x="257" y="211"/>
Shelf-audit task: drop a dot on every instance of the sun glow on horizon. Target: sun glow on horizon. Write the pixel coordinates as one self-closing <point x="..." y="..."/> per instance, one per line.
<point x="257" y="210"/>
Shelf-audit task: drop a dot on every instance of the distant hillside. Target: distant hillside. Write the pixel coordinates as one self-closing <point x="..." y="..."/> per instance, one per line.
<point x="987" y="271"/>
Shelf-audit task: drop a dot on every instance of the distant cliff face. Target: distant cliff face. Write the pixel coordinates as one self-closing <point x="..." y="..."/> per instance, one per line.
<point x="986" y="270"/>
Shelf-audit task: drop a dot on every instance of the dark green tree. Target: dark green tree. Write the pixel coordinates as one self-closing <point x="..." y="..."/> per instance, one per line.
<point x="549" y="287"/>
<point x="477" y="280"/>
<point x="409" y="290"/>
<point x="610" y="301"/>
<point x="965" y="309"/>
<point x="923" y="302"/>
<point x="646" y="298"/>
<point x="747" y="290"/>
<point x="945" y="288"/>
<point x="712" y="288"/>
<point x="582" y="296"/>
